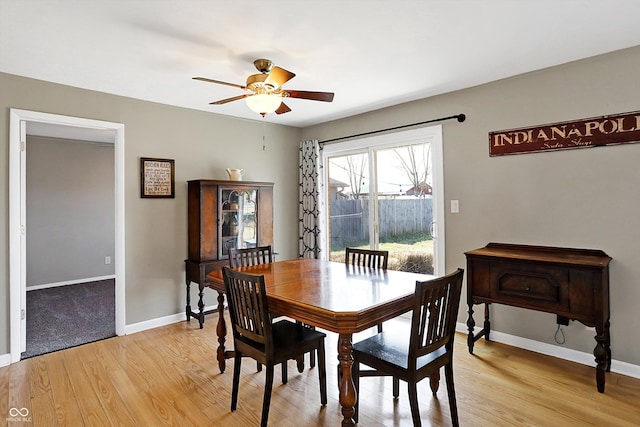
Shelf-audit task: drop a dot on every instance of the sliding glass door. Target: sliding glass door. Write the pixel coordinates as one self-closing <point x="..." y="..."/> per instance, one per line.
<point x="381" y="194"/>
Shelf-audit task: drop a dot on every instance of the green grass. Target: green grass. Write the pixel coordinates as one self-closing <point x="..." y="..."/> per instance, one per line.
<point x="411" y="252"/>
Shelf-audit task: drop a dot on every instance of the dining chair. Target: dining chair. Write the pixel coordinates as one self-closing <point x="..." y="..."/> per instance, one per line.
<point x="419" y="351"/>
<point x="255" y="335"/>
<point x="367" y="258"/>
<point x="246" y="257"/>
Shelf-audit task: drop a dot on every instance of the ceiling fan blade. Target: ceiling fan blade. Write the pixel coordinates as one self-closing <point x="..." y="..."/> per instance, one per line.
<point x="235" y="98"/>
<point x="314" y="96"/>
<point x="278" y="76"/>
<point x="282" y="109"/>
<point x="204" y="79"/>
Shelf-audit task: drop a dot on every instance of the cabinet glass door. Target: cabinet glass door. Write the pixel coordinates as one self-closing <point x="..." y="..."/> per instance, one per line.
<point x="238" y="218"/>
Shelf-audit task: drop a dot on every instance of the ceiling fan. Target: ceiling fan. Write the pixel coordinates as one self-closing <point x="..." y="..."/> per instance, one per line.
<point x="265" y="93"/>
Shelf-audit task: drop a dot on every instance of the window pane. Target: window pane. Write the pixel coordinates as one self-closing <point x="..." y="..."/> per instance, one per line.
<point x="405" y="209"/>
<point x="348" y="203"/>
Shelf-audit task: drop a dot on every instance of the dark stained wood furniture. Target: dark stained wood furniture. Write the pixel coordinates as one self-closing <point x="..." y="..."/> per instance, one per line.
<point x="250" y="256"/>
<point x="223" y="215"/>
<point x="367" y="257"/>
<point x="572" y="283"/>
<point x="256" y="336"/>
<point x="332" y="296"/>
<point x="422" y="349"/>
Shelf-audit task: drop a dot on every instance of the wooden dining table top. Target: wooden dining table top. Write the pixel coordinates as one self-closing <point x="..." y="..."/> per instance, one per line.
<point x="331" y="295"/>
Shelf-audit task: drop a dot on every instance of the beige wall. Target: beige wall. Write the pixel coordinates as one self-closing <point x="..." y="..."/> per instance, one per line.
<point x="576" y="198"/>
<point x="202" y="144"/>
<point x="70" y="210"/>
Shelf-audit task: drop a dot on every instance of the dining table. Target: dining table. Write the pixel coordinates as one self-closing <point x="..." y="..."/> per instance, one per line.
<point x="333" y="296"/>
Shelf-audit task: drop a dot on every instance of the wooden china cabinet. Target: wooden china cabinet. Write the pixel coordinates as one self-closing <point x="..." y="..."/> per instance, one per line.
<point x="223" y="215"/>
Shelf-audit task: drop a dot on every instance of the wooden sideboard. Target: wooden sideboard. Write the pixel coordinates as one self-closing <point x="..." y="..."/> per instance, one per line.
<point x="572" y="283"/>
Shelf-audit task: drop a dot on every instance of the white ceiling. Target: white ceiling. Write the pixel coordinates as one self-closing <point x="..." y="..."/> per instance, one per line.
<point x="372" y="54"/>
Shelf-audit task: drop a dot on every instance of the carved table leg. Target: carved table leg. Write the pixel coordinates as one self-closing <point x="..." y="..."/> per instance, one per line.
<point x="346" y="388"/>
<point x="221" y="330"/>
<point x="602" y="352"/>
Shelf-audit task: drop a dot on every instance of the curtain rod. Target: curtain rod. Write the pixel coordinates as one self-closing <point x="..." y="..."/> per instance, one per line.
<point x="461" y="118"/>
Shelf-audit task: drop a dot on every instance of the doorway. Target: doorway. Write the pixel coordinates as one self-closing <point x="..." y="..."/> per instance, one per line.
<point x="385" y="192"/>
<point x="20" y="120"/>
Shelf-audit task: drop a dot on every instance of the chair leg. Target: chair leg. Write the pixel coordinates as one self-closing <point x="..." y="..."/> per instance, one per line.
<point x="258" y="366"/>
<point x="236" y="380"/>
<point x="284" y="372"/>
<point x="312" y="359"/>
<point x="396" y="387"/>
<point x="300" y="363"/>
<point x="322" y="373"/>
<point x="379" y="327"/>
<point x="266" y="401"/>
<point x="451" y="392"/>
<point x="434" y="382"/>
<point x="413" y="402"/>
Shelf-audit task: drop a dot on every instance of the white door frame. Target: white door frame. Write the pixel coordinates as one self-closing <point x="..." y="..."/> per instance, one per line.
<point x="17" y="196"/>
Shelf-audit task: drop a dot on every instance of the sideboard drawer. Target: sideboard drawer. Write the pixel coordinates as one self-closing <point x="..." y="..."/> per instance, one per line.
<point x="531" y="286"/>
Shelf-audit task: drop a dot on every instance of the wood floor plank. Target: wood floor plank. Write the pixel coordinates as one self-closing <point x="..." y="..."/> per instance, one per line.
<point x="88" y="399"/>
<point x="19" y="386"/>
<point x="168" y="376"/>
<point x="66" y="403"/>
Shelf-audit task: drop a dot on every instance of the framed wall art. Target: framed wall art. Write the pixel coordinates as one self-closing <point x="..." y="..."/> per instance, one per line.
<point x="157" y="178"/>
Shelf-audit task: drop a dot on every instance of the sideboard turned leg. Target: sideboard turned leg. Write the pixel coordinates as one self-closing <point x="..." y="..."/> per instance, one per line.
<point x="221" y="331"/>
<point x="602" y="353"/>
<point x="188" y="307"/>
<point x="470" y="325"/>
<point x="487" y="322"/>
<point x="201" y="304"/>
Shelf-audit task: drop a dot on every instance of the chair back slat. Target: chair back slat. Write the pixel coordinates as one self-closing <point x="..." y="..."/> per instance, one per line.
<point x="366" y="258"/>
<point x="248" y="307"/>
<point x="246" y="257"/>
<point x="434" y="314"/>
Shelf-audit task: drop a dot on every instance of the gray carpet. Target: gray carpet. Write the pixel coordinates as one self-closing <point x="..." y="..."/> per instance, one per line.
<point x="67" y="316"/>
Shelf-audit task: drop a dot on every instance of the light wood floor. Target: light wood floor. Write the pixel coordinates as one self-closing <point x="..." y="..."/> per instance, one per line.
<point x="169" y="376"/>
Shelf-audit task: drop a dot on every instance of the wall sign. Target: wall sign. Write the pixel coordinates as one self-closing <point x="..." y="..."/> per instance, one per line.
<point x="586" y="133"/>
<point x="156" y="178"/>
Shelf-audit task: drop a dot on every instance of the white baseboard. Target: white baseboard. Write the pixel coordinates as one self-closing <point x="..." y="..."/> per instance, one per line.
<point x="5" y="359"/>
<point x="161" y="321"/>
<point x="69" y="282"/>
<point x="619" y="367"/>
<point x="583" y="358"/>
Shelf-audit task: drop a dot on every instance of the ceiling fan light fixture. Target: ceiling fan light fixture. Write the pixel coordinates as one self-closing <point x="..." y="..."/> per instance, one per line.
<point x="263" y="103"/>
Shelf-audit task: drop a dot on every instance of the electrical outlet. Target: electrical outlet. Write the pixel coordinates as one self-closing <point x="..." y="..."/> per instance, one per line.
<point x="455" y="206"/>
<point x="107" y="260"/>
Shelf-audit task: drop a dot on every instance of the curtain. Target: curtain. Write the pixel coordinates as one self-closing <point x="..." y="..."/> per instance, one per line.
<point x="309" y="209"/>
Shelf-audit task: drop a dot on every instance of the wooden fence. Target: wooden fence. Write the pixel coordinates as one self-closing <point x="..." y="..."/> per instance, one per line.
<point x="350" y="219"/>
